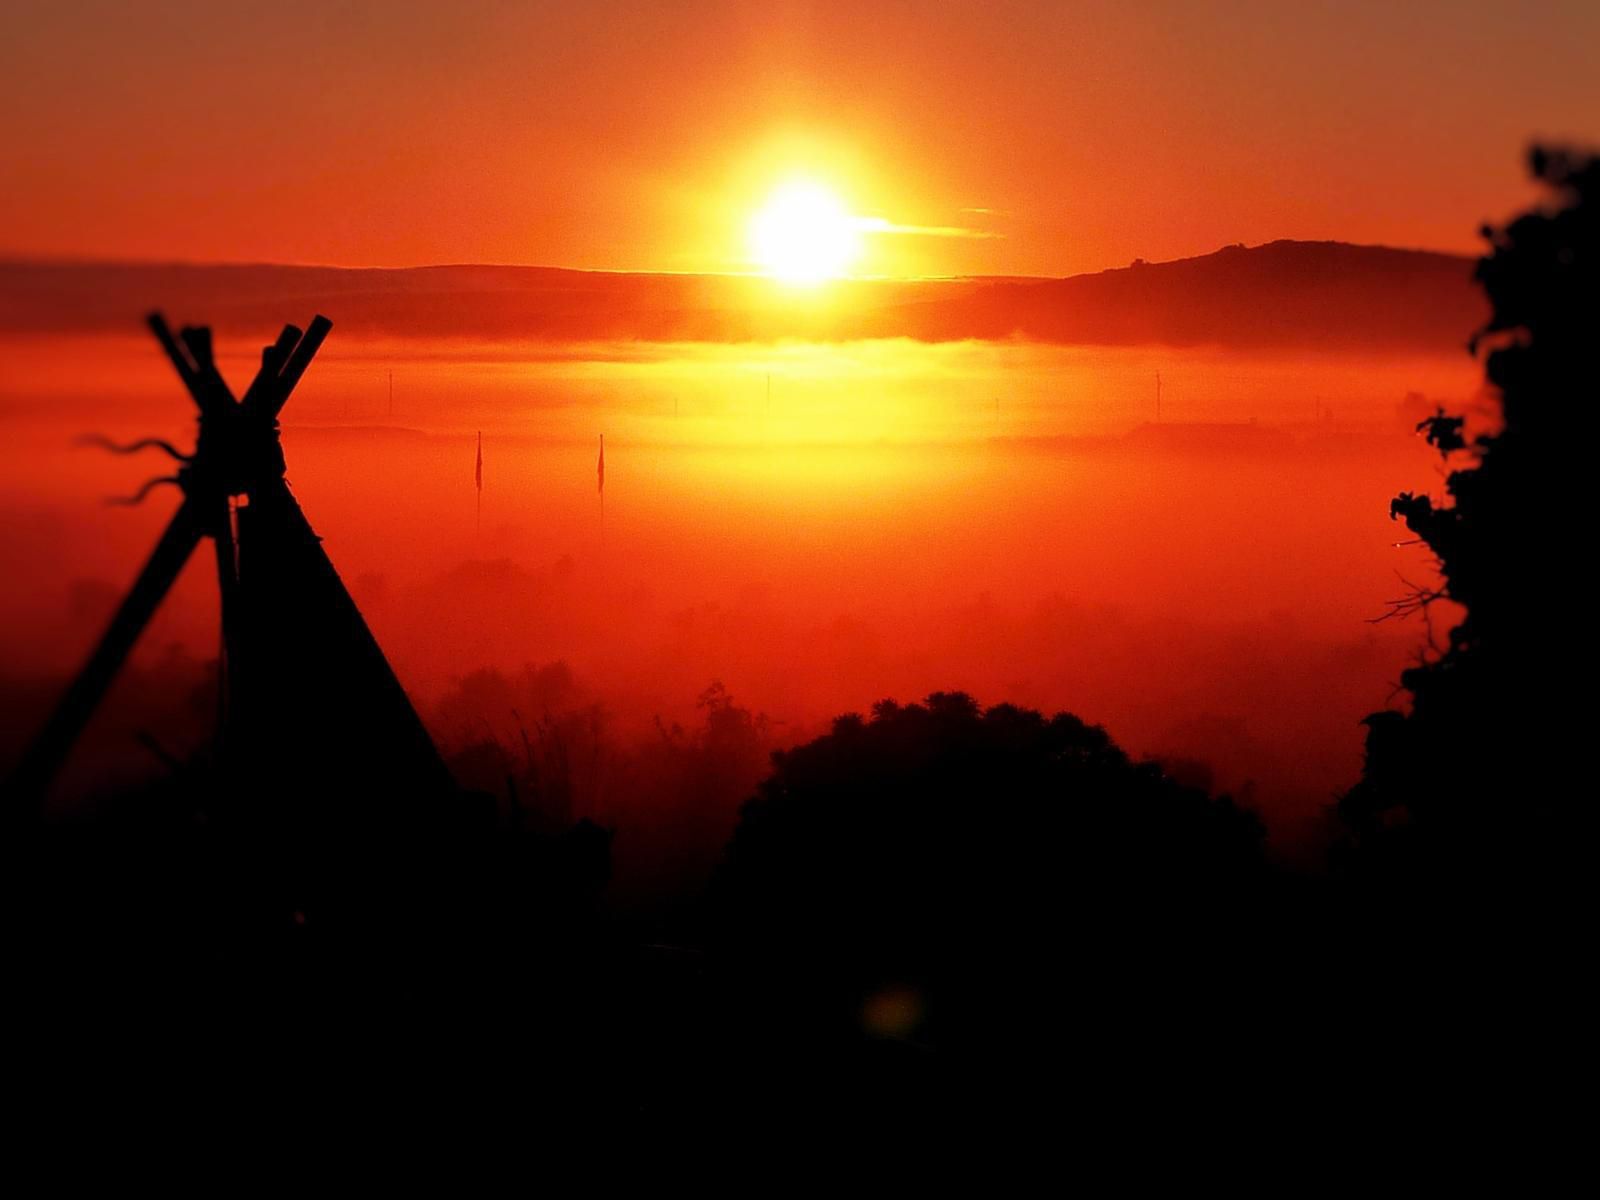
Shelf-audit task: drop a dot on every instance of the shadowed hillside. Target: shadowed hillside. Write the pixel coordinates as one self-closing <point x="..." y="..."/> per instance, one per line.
<point x="1323" y="295"/>
<point x="1326" y="295"/>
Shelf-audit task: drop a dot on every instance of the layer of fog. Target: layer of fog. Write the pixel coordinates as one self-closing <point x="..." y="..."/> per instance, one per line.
<point x="894" y="519"/>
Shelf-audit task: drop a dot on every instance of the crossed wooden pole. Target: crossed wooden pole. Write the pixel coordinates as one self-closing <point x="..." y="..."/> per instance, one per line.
<point x="237" y="453"/>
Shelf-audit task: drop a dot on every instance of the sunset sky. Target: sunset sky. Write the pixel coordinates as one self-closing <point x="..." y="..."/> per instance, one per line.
<point x="1004" y="137"/>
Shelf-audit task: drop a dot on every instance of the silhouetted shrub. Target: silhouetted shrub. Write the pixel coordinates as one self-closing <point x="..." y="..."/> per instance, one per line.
<point x="965" y="857"/>
<point x="1474" y="781"/>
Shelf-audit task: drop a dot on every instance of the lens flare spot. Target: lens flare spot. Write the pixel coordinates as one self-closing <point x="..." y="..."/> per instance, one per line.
<point x="893" y="1012"/>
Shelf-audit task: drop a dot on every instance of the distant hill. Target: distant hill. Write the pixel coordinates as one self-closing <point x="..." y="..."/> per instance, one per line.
<point x="1311" y="295"/>
<point x="1281" y="294"/>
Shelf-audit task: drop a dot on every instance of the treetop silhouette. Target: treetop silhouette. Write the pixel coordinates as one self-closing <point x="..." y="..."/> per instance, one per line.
<point x="952" y="847"/>
<point x="1473" y="777"/>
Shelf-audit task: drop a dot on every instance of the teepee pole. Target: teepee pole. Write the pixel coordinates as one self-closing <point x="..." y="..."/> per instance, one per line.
<point x="310" y="669"/>
<point x="49" y="750"/>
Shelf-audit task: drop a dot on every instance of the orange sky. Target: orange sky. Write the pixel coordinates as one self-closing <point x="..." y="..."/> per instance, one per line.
<point x="1072" y="136"/>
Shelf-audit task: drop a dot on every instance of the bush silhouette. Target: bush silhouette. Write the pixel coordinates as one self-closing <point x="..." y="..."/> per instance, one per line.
<point x="966" y="856"/>
<point x="1469" y="784"/>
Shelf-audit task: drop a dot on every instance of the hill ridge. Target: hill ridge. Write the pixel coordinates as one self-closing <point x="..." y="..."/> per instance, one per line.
<point x="1281" y="293"/>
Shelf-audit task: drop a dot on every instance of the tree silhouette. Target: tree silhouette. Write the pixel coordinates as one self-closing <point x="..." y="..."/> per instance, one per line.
<point x="1470" y="782"/>
<point x="974" y="860"/>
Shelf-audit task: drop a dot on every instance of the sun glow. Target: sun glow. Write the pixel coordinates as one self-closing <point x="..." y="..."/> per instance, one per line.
<point x="805" y="235"/>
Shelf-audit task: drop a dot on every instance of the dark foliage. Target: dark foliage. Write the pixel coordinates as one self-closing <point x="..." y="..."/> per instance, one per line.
<point x="1472" y="787"/>
<point x="938" y="863"/>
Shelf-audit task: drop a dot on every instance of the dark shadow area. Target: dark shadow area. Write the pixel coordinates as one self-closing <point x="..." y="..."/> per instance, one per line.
<point x="938" y="915"/>
<point x="1469" y="801"/>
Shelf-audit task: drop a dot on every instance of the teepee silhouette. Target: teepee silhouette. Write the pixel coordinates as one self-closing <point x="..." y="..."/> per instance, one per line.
<point x="314" y="725"/>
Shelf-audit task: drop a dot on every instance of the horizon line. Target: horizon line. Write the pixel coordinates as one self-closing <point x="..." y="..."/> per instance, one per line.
<point x="10" y="258"/>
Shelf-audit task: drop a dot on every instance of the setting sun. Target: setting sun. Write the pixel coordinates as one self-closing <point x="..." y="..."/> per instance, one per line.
<point x="805" y="235"/>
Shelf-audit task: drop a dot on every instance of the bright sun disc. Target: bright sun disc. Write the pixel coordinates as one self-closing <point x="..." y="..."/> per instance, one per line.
<point x="804" y="235"/>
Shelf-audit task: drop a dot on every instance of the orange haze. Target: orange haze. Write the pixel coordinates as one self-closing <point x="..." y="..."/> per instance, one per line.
<point x="901" y="517"/>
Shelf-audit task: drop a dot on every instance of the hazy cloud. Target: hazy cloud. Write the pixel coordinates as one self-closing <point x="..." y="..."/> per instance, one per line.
<point x="880" y="225"/>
